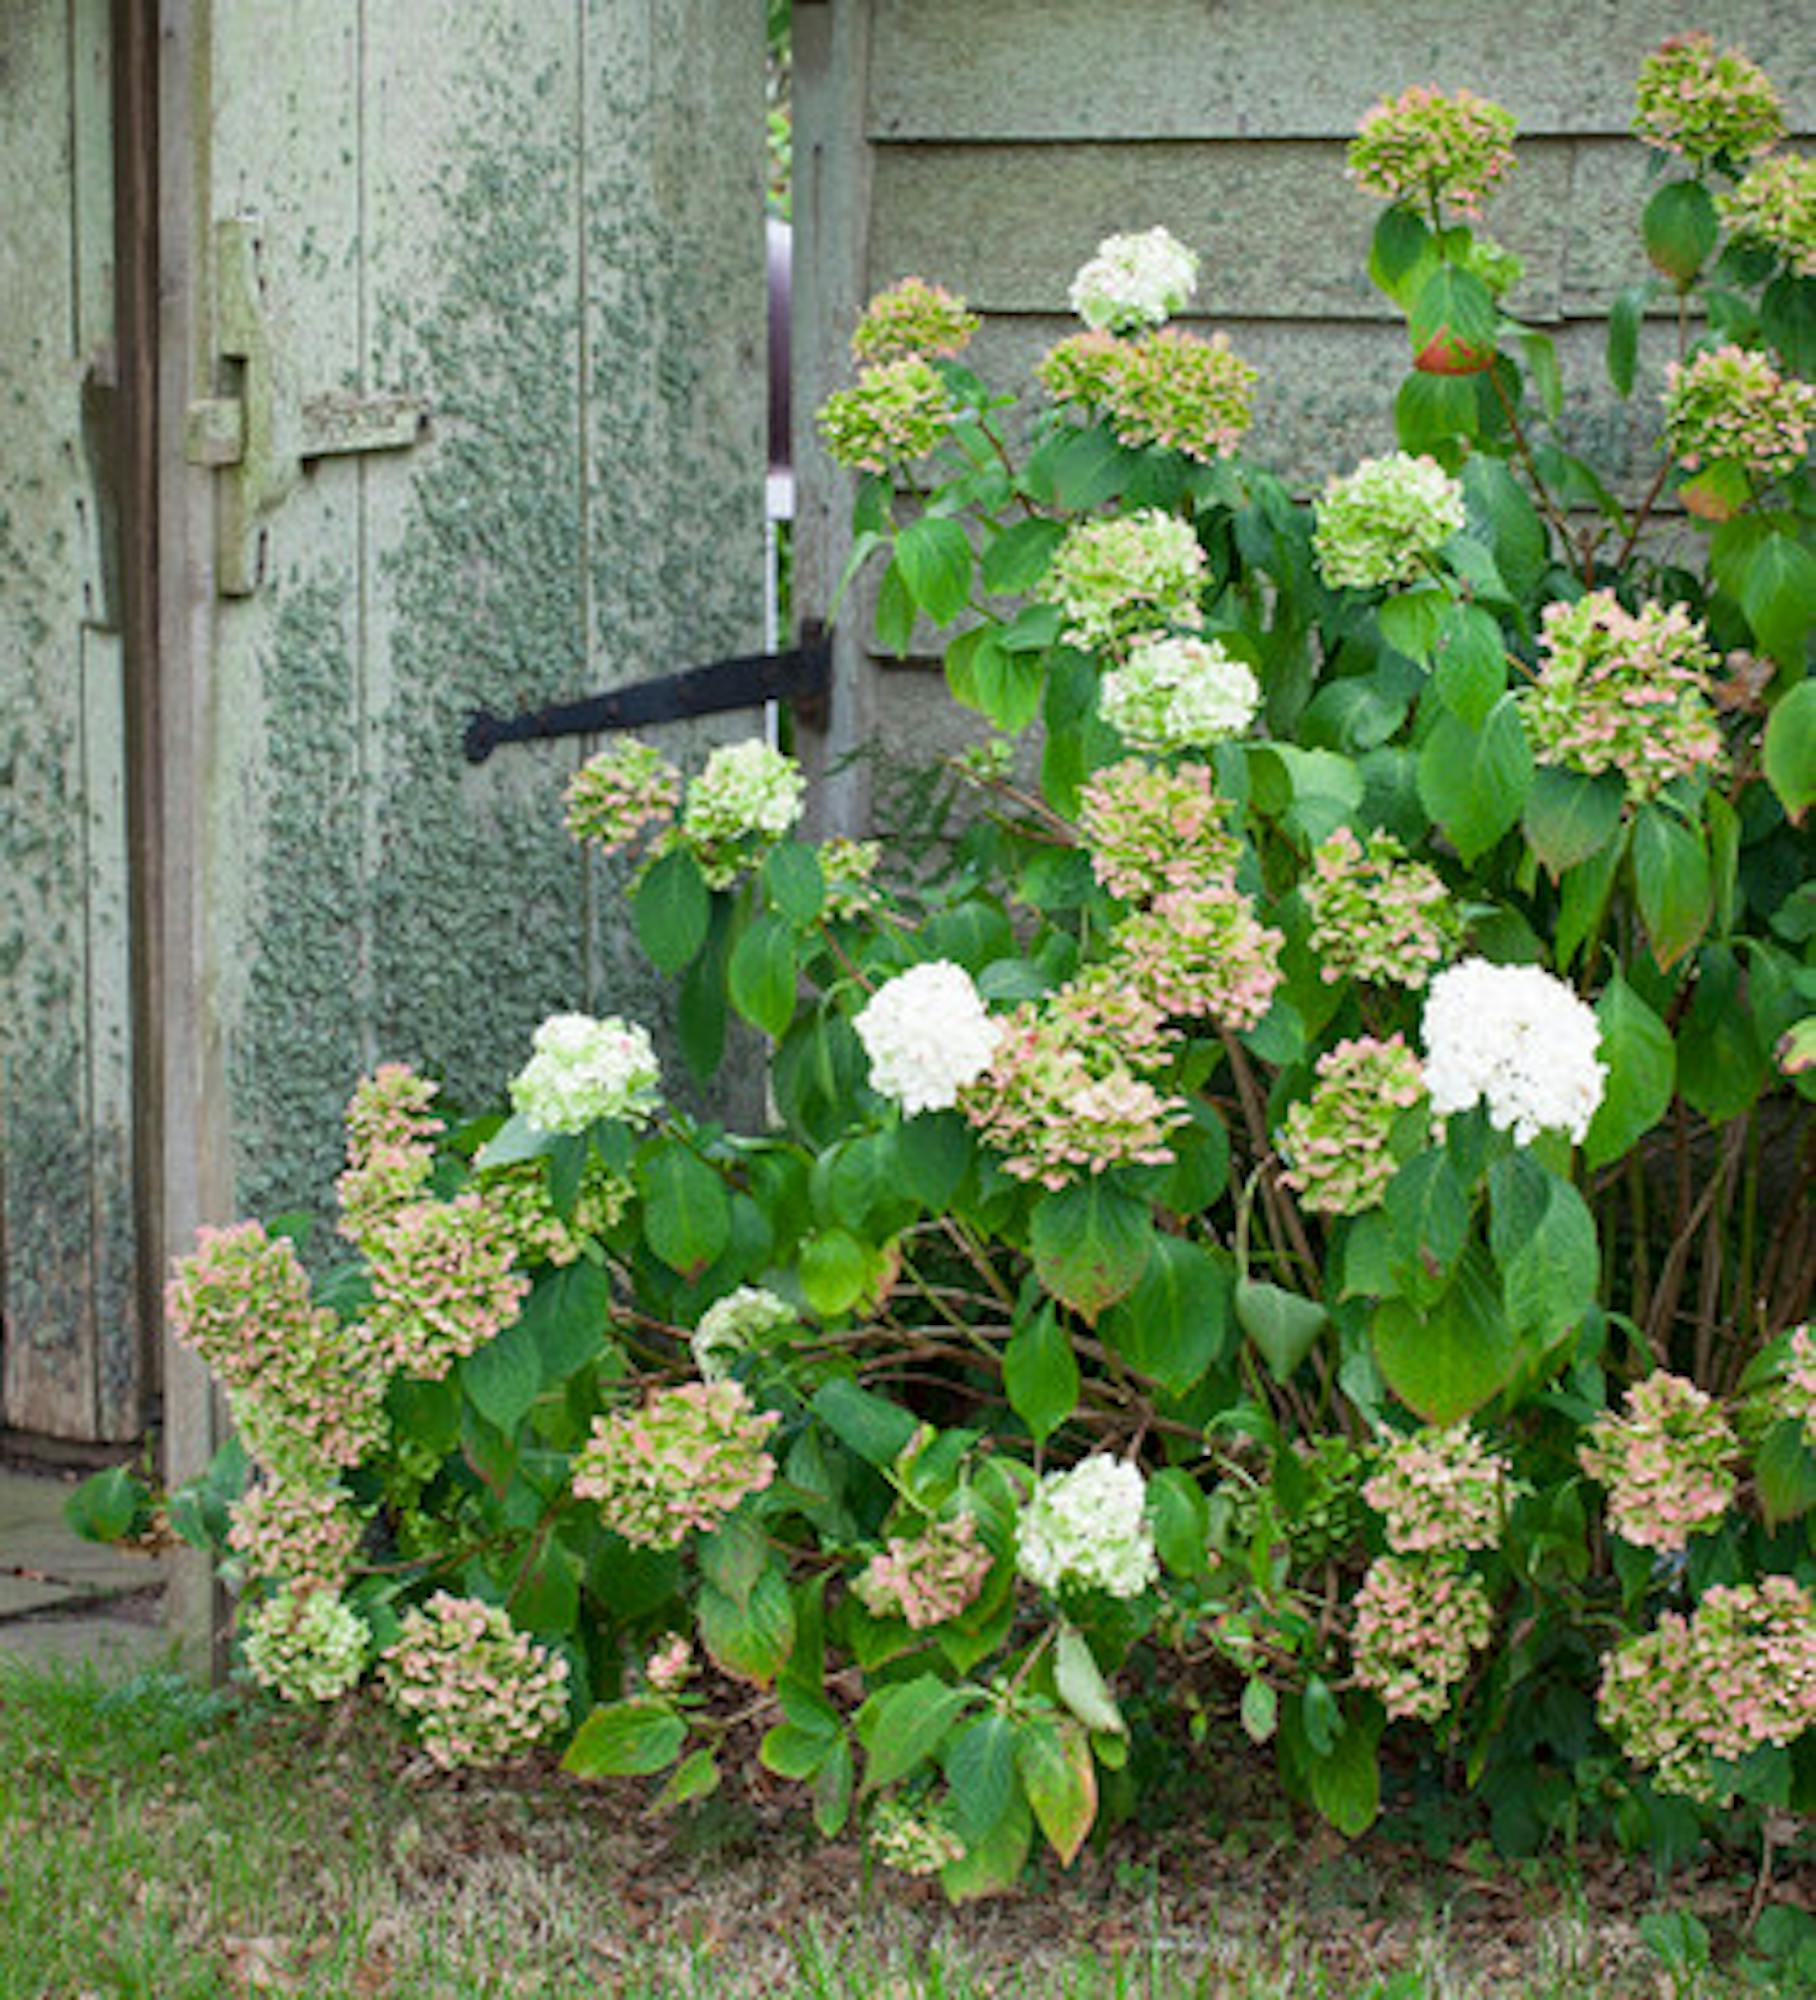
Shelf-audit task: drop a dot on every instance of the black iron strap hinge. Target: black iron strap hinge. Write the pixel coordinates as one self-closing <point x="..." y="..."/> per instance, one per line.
<point x="803" y="676"/>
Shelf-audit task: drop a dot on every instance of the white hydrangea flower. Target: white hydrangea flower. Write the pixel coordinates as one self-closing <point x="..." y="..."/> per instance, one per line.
<point x="1089" y="1527"/>
<point x="584" y="1069"/>
<point x="745" y="788"/>
<point x="927" y="1036"/>
<point x="1135" y="281"/>
<point x="731" y="1324"/>
<point x="1179" y="694"/>
<point x="1382" y="522"/>
<point x="308" y="1645"/>
<point x="1518" y="1039"/>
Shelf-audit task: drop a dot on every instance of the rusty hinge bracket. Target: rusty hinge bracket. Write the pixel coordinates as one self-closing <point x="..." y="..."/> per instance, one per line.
<point x="802" y="675"/>
<point x="257" y="432"/>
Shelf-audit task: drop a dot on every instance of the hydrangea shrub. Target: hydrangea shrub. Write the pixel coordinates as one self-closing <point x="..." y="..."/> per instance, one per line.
<point x="1291" y="1208"/>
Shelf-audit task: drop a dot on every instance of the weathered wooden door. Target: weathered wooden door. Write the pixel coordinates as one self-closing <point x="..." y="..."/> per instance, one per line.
<point x="71" y="1343"/>
<point x="459" y="401"/>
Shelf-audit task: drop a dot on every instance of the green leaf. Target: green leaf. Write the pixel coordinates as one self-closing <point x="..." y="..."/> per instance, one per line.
<point x="878" y="1430"/>
<point x="1020" y="556"/>
<point x="1402" y="255"/>
<point x="1004" y="687"/>
<point x="546" y="1596"/>
<point x="934" y="558"/>
<point x="980" y="1769"/>
<point x="795" y="1750"/>
<point x="516" y="1140"/>
<point x="835" y="1271"/>
<point x="504" y="1377"/>
<point x="1541" y="357"/>
<point x="1433" y="413"/>
<point x="697" y="1777"/>
<point x="1412" y="619"/>
<point x="671" y="910"/>
<point x="686" y="1213"/>
<point x="1680" y="228"/>
<point x="1346" y="1782"/>
<point x="894" y="613"/>
<point x="932" y="1154"/>
<point x="108" y="1505"/>
<point x="626" y="1739"/>
<point x="1091" y="1243"/>
<point x="1624" y="317"/>
<point x="700" y="1013"/>
<point x="1040" y="1373"/>
<point x="905" y="1722"/>
<point x="793" y="882"/>
<point x="749" y="1640"/>
<point x="1787" y="319"/>
<point x="832" y="1791"/>
<point x="1079" y="469"/>
<point x="1175" y="1324"/>
<point x="1260" y="1710"/>
<point x="1675" y="887"/>
<point x="1777" y="593"/>
<point x="1060" y="1779"/>
<point x="1283" y="1325"/>
<point x="1081" y="1686"/>
<point x="1790" y="754"/>
<point x="1453" y="322"/>
<point x="1446" y="1362"/>
<point x="762" y="975"/>
<point x="1543" y="1238"/>
<point x="1642" y="1074"/>
<point x="1784" y="1468"/>
<point x="1474" y="782"/>
<point x="1508" y="522"/>
<point x="1182" y="1522"/>
<point x="1471" y="668"/>
<point x="1569" y="817"/>
<point x="1427" y="1208"/>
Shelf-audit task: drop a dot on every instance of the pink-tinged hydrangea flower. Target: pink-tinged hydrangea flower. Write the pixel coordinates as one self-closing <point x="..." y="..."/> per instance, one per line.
<point x="478" y="1690"/>
<point x="1738" y="1674"/>
<point x="304" y="1535"/>
<point x="914" y="1839"/>
<point x="1134" y="281"/>
<point x="1731" y="404"/>
<point x="582" y="1070"/>
<point x="304" y="1393"/>
<point x="899" y="412"/>
<point x="1140" y="572"/>
<point x="1797" y="1386"/>
<point x="1415" y="1625"/>
<point x="1422" y="148"/>
<point x="1061" y="1098"/>
<point x="1375" y="914"/>
<point x="1518" y="1040"/>
<point x="1181" y="393"/>
<point x="1179" y="694"/>
<point x="1704" y="106"/>
<point x="1439" y="1492"/>
<point x="1201" y="952"/>
<point x="1385" y="522"/>
<point x="1149" y="830"/>
<point x="390" y="1147"/>
<point x="847" y="876"/>
<point x="305" y="1644"/>
<point x="736" y="1323"/>
<point x="1667" y="1463"/>
<point x="1338" y="1141"/>
<point x="669" y="1668"/>
<point x="1080" y="368"/>
<point x="613" y="797"/>
<point x="442" y="1285"/>
<point x="747" y="796"/>
<point x="1623" y="691"/>
<point x="927" y="1035"/>
<point x="682" y="1462"/>
<point x="928" y="1578"/>
<point x="1088" y="1529"/>
<point x="913" y="318"/>
<point x="518" y="1195"/>
<point x="1774" y="208"/>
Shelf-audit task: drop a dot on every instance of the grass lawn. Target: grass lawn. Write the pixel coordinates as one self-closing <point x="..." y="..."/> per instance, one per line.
<point x="160" y="1840"/>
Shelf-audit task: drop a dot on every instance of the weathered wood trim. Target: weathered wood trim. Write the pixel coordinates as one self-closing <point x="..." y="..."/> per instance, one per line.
<point x="832" y="208"/>
<point x="190" y="1160"/>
